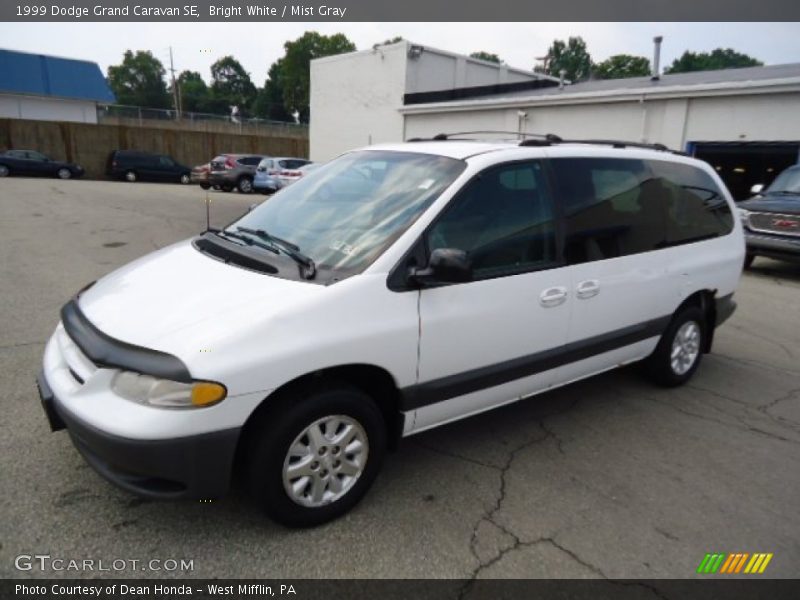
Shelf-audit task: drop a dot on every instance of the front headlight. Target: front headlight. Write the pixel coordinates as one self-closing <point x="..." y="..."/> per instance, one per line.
<point x="164" y="393"/>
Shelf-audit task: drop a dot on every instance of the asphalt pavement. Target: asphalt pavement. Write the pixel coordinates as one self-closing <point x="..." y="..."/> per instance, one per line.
<point x="608" y="477"/>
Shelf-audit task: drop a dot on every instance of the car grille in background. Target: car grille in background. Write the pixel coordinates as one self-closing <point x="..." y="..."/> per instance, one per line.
<point x="775" y="223"/>
<point x="78" y="363"/>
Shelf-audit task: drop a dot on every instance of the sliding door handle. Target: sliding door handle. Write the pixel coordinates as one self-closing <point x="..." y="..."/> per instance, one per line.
<point x="587" y="289"/>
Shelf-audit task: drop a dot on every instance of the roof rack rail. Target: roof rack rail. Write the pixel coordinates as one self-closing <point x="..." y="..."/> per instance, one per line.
<point x="440" y="137"/>
<point x="554" y="139"/>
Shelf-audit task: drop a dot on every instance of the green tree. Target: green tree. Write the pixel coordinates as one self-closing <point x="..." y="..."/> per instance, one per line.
<point x="230" y="85"/>
<point x="481" y="55"/>
<point x="719" y="58"/>
<point x="295" y="72"/>
<point x="194" y="92"/>
<point x="394" y="40"/>
<point x="621" y="66"/>
<point x="139" y="81"/>
<point x="269" y="101"/>
<point x="571" y="56"/>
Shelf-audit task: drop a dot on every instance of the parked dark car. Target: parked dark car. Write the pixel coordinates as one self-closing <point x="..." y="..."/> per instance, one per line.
<point x="230" y="171"/>
<point x="31" y="162"/>
<point x="771" y="219"/>
<point x="133" y="165"/>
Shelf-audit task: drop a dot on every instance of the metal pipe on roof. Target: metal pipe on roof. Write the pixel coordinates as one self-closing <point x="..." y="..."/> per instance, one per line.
<point x="656" y="74"/>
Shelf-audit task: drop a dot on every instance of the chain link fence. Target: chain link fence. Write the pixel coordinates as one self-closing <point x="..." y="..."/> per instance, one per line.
<point x="119" y="114"/>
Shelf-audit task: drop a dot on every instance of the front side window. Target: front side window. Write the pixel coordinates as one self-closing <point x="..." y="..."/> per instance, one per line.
<point x="351" y="211"/>
<point x="166" y="161"/>
<point x="502" y="219"/>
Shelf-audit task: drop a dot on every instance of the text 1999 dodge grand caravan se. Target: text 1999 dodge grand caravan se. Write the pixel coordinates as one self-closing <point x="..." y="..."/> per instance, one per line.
<point x="395" y="289"/>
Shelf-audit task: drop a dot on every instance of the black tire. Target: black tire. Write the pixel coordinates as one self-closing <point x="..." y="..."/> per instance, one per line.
<point x="659" y="366"/>
<point x="279" y="427"/>
<point x="204" y="186"/>
<point x="5" y="171"/>
<point x="185" y="178"/>
<point x="64" y="173"/>
<point x="130" y="176"/>
<point x="748" y="260"/>
<point x="245" y="185"/>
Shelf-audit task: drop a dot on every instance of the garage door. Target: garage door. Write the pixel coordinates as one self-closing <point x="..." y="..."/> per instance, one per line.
<point x="744" y="164"/>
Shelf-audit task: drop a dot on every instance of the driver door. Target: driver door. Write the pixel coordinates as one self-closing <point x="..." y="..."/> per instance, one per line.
<point x="490" y="341"/>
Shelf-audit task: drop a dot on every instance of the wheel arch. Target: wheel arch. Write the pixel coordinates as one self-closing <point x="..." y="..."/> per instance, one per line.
<point x="704" y="299"/>
<point x="374" y="381"/>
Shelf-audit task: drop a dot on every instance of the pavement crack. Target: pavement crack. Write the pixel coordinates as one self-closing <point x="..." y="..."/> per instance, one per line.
<point x="456" y="456"/>
<point x="20" y="345"/>
<point x="764" y="338"/>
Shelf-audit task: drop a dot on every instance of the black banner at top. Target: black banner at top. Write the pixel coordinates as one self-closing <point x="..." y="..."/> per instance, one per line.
<point x="399" y="10"/>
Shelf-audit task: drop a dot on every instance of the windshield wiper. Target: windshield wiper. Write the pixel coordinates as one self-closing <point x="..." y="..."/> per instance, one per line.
<point x="247" y="240"/>
<point x="307" y="267"/>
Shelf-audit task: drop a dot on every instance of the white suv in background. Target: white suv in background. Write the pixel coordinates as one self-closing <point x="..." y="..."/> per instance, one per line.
<point x="400" y="288"/>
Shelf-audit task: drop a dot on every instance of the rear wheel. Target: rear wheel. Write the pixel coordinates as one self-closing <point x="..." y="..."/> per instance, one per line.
<point x="244" y="185"/>
<point x="748" y="260"/>
<point x="680" y="349"/>
<point x="4" y="171"/>
<point x="130" y="176"/>
<point x="186" y="179"/>
<point x="315" y="455"/>
<point x="64" y="173"/>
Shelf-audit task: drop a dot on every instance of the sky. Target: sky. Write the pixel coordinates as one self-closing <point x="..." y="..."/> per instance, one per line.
<point x="256" y="45"/>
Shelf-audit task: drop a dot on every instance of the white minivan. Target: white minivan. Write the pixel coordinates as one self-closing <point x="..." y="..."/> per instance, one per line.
<point x="395" y="289"/>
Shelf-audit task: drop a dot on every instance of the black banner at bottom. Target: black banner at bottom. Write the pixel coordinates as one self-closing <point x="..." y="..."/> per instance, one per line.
<point x="356" y="589"/>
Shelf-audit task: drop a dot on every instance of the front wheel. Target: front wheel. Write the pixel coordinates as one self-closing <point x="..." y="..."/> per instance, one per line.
<point x="4" y="171"/>
<point x="64" y="173"/>
<point x="315" y="455"/>
<point x="185" y="179"/>
<point x="130" y="176"/>
<point x="680" y="349"/>
<point x="204" y="186"/>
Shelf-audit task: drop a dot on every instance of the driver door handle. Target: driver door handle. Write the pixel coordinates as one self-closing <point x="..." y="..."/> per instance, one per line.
<point x="588" y="288"/>
<point x="553" y="296"/>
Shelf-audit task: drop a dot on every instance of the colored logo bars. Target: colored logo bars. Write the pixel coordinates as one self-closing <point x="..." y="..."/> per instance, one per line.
<point x="738" y="562"/>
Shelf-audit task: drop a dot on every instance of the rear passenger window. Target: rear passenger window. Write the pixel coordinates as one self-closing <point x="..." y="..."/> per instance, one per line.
<point x="612" y="207"/>
<point x="503" y="220"/>
<point x="695" y="209"/>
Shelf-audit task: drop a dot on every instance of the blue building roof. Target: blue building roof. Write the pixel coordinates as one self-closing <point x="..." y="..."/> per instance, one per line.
<point x="40" y="75"/>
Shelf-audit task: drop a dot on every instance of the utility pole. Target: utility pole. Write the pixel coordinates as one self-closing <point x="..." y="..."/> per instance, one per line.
<point x="176" y="96"/>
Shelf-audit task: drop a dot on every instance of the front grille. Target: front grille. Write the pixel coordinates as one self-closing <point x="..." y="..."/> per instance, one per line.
<point x="775" y="223"/>
<point x="80" y="366"/>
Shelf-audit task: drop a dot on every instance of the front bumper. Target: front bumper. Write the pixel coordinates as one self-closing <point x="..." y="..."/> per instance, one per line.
<point x="198" y="466"/>
<point x="773" y="246"/>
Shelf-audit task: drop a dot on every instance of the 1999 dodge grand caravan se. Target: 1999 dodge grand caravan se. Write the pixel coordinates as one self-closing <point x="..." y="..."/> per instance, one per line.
<point x="393" y="290"/>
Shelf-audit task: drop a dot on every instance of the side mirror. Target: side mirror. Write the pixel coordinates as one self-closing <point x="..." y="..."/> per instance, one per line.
<point x="446" y="265"/>
<point x="757" y="188"/>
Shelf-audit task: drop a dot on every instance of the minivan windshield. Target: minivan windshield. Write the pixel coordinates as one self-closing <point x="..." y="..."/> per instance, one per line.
<point x="787" y="182"/>
<point x="345" y="214"/>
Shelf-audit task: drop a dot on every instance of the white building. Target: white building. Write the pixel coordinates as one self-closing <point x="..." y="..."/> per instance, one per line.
<point x="746" y="122"/>
<point x="356" y="98"/>
<point x="50" y="88"/>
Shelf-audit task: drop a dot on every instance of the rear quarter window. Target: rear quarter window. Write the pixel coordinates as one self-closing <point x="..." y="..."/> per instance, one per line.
<point x="696" y="208"/>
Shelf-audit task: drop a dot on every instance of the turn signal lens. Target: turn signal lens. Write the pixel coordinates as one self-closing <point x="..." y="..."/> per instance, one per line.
<point x="205" y="394"/>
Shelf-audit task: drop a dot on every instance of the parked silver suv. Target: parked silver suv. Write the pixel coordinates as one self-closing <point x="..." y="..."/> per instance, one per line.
<point x="230" y="171"/>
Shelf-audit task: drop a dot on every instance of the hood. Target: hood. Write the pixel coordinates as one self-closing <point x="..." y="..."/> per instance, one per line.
<point x="178" y="293"/>
<point x="777" y="204"/>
